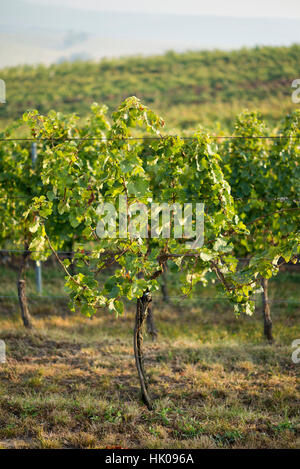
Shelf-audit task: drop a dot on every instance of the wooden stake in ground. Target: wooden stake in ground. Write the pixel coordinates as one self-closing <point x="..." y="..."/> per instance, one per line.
<point x="266" y="311"/>
<point x="151" y="328"/>
<point x="22" y="290"/>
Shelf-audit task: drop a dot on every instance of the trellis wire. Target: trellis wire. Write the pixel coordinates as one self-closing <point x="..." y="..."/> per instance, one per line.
<point x="163" y="137"/>
<point x="22" y="251"/>
<point x="155" y="299"/>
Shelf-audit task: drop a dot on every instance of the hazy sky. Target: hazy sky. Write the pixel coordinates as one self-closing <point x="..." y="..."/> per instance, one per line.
<point x="252" y="8"/>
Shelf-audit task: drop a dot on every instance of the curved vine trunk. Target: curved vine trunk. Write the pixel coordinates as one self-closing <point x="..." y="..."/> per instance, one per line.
<point x="266" y="311"/>
<point x="22" y="290"/>
<point x="151" y="329"/>
<point x="142" y="306"/>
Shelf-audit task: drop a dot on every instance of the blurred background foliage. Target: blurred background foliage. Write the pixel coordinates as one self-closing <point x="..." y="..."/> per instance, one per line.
<point x="188" y="89"/>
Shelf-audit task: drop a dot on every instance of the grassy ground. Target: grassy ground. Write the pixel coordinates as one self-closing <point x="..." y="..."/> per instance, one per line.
<point x="72" y="382"/>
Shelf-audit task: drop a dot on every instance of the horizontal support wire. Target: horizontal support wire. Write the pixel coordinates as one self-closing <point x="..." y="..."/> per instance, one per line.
<point x="150" y="196"/>
<point x="105" y="139"/>
<point x="182" y="298"/>
<point x="87" y="252"/>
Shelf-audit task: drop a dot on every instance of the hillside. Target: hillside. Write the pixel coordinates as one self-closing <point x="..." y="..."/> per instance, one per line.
<point x="188" y="88"/>
<point x="47" y="32"/>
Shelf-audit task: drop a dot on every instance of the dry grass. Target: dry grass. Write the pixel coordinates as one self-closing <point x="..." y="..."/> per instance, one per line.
<point x="72" y="381"/>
